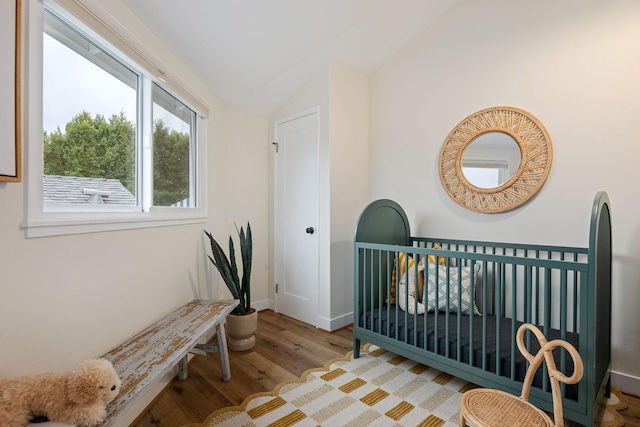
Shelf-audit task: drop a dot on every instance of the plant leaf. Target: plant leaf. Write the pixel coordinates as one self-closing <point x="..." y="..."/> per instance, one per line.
<point x="228" y="268"/>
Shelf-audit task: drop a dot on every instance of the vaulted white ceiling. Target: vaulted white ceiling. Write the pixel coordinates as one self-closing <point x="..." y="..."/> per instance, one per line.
<point x="254" y="54"/>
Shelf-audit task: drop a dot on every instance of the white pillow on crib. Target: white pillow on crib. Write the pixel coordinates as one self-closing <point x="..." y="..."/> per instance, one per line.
<point x="455" y="286"/>
<point x="402" y="290"/>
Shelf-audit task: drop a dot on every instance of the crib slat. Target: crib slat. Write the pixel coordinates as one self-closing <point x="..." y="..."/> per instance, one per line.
<point x="514" y="315"/>
<point x="563" y="322"/>
<point x="534" y="292"/>
<point x="372" y="273"/>
<point x="447" y="302"/>
<point x="575" y="296"/>
<point x="563" y="304"/>
<point x="547" y="316"/>
<point x="528" y="283"/>
<point x="499" y="313"/>
<point x="381" y="292"/>
<point x="390" y="265"/>
<point x="458" y="340"/>
<point x="405" y="337"/>
<point x="416" y="284"/>
<point x="547" y="301"/>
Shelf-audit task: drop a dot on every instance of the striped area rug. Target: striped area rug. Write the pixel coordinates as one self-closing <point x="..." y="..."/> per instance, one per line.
<point x="377" y="389"/>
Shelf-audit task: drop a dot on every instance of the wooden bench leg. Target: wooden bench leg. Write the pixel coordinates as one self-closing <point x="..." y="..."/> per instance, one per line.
<point x="182" y="369"/>
<point x="221" y="347"/>
<point x="224" y="352"/>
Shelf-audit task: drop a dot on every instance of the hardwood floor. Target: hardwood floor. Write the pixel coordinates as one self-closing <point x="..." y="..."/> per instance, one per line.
<point x="285" y="349"/>
<point x="632" y="413"/>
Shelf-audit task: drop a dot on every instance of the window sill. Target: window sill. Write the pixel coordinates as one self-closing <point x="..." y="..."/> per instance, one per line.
<point x="62" y="227"/>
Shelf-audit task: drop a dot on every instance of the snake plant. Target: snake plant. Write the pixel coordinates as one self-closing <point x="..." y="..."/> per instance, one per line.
<point x="228" y="268"/>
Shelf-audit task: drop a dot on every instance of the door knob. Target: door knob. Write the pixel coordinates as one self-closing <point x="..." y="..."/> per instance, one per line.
<point x="310" y="230"/>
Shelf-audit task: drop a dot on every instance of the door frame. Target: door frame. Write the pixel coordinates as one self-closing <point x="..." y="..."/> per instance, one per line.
<point x="276" y="197"/>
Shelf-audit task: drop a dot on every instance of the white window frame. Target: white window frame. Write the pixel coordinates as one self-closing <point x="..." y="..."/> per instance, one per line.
<point x="500" y="165"/>
<point x="39" y="222"/>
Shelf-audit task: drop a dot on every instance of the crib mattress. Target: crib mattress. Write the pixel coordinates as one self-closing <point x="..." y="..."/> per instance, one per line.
<point x="401" y="326"/>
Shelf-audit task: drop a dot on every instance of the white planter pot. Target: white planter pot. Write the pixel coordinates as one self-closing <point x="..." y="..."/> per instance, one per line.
<point x="241" y="331"/>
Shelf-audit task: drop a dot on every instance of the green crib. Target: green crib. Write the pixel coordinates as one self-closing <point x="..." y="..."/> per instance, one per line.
<point x="456" y="305"/>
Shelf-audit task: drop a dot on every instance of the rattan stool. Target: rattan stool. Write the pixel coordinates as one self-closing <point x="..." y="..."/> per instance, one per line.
<point x="484" y="407"/>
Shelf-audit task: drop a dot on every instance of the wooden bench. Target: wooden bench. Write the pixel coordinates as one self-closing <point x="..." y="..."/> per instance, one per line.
<point x="145" y="358"/>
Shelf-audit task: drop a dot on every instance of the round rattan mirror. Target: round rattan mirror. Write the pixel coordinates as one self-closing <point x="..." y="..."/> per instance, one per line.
<point x="532" y="171"/>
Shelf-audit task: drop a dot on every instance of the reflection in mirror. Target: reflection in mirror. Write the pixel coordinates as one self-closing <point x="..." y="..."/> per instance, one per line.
<point x="491" y="159"/>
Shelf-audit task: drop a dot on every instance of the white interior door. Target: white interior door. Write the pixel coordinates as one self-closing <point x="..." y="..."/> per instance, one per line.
<point x="296" y="217"/>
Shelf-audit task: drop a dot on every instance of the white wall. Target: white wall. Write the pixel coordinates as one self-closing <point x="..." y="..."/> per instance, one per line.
<point x="69" y="298"/>
<point x="349" y="147"/>
<point x="574" y="65"/>
<point x="247" y="188"/>
<point x="341" y="95"/>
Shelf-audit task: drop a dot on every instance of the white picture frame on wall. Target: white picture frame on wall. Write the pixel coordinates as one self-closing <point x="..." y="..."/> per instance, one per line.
<point x="10" y="90"/>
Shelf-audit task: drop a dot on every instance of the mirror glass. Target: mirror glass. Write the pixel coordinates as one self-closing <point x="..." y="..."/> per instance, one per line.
<point x="491" y="159"/>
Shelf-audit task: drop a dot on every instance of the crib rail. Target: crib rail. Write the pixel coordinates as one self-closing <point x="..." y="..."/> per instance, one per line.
<point x="550" y="276"/>
<point x="539" y="285"/>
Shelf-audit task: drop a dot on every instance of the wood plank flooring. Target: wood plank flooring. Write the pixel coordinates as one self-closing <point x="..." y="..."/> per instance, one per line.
<point x="632" y="413"/>
<point x="285" y="349"/>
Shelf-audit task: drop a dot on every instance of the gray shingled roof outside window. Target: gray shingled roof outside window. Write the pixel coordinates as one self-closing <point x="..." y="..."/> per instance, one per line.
<point x="75" y="190"/>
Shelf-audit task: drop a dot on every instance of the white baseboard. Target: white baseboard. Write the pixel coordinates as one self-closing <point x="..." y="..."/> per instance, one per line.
<point x="335" y="323"/>
<point x="264" y="304"/>
<point x="323" y="322"/>
<point x="625" y="382"/>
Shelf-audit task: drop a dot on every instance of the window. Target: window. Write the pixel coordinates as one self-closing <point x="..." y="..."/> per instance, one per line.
<point x="173" y="125"/>
<point x="117" y="149"/>
<point x="90" y="122"/>
<point x="486" y="173"/>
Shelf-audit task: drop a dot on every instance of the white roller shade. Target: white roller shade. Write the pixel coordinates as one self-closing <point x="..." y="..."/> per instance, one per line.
<point x="96" y="18"/>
